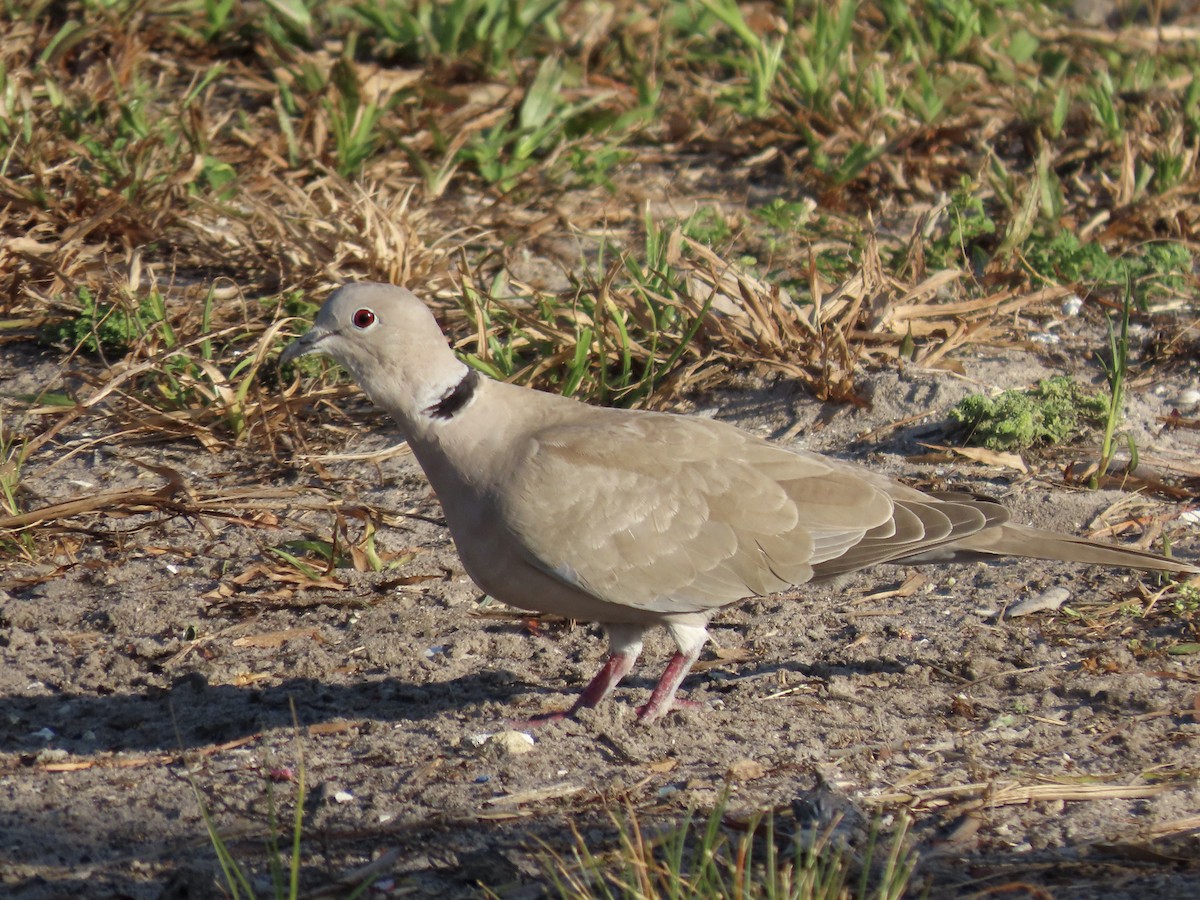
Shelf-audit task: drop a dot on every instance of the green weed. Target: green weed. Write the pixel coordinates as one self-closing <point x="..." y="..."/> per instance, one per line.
<point x="108" y="328"/>
<point x="595" y="166"/>
<point x="13" y="452"/>
<point x="783" y="225"/>
<point x="287" y="23"/>
<point x="785" y="216"/>
<point x="489" y="33"/>
<point x="1187" y="600"/>
<point x="760" y="61"/>
<point x="821" y="57"/>
<point x="1101" y="96"/>
<point x="285" y="872"/>
<point x="970" y="230"/>
<point x="195" y="378"/>
<point x="1152" y="270"/>
<point x="315" y="557"/>
<point x="708" y="225"/>
<point x="1116" y="373"/>
<point x="609" y="343"/>
<point x="513" y="146"/>
<point x="1050" y="414"/>
<point x="354" y="119"/>
<point x="352" y="116"/>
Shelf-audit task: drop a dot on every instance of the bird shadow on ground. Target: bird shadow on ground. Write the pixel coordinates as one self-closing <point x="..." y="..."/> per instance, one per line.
<point x="455" y="855"/>
<point x="439" y="854"/>
<point x="193" y="713"/>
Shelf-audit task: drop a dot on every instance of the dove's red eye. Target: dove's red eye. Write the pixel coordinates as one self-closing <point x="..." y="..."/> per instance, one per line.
<point x="363" y="318"/>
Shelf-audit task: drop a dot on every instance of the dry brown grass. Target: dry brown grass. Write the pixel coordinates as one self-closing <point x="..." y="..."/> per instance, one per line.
<point x="242" y="175"/>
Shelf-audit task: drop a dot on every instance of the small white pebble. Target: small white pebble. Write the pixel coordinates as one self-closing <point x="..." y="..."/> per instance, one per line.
<point x="513" y="742"/>
<point x="478" y="739"/>
<point x="504" y="743"/>
<point x="343" y="796"/>
<point x="1189" y="397"/>
<point x="1072" y="305"/>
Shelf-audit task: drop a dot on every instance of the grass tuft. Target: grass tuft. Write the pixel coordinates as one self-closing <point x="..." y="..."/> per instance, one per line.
<point x="709" y="859"/>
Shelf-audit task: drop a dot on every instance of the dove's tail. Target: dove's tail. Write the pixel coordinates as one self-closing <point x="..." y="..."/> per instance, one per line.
<point x="1010" y="539"/>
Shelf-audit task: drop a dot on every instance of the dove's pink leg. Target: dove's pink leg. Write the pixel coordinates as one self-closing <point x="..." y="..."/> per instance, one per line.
<point x="625" y="645"/>
<point x="663" y="699"/>
<point x="615" y="668"/>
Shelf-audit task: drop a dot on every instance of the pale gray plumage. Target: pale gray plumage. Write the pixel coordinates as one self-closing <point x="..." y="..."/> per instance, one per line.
<point x="639" y="519"/>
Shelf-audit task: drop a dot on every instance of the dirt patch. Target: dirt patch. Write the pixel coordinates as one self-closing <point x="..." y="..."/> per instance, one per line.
<point x="165" y="651"/>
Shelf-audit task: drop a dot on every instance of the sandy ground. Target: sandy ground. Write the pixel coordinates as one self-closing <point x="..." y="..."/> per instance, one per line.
<point x="162" y="655"/>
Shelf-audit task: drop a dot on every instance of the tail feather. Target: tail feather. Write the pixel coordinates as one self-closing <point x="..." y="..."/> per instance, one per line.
<point x="1011" y="539"/>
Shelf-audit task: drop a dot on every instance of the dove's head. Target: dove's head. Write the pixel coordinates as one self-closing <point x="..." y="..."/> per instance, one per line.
<point x="390" y="344"/>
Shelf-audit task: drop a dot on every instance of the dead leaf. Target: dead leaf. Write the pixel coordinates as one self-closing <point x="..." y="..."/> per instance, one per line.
<point x="271" y="639"/>
<point x="406" y="580"/>
<point x="74" y="766"/>
<point x="536" y="795"/>
<point x="663" y="766"/>
<point x="723" y="655"/>
<point x="29" y="246"/>
<point x="913" y="583"/>
<point x="248" y="678"/>
<point x="248" y="575"/>
<point x="997" y="458"/>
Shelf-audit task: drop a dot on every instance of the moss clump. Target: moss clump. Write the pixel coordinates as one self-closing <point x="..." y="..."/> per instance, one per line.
<point x="1051" y="413"/>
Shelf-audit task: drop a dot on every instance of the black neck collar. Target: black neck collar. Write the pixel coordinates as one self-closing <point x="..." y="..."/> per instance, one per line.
<point x="455" y="398"/>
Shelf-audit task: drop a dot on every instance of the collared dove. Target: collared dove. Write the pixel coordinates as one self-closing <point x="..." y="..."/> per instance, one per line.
<point x="636" y="519"/>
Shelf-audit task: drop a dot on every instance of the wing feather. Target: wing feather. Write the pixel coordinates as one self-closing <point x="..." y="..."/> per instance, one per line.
<point x="675" y="514"/>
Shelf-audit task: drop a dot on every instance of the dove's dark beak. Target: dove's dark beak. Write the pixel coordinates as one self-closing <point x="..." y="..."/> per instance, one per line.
<point x="304" y="345"/>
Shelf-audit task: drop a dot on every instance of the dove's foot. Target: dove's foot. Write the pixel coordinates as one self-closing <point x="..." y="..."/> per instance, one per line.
<point x="615" y="668"/>
<point x="647" y="713"/>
